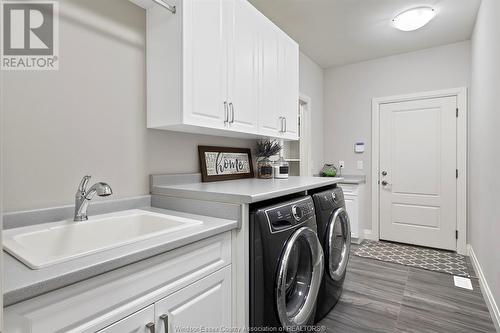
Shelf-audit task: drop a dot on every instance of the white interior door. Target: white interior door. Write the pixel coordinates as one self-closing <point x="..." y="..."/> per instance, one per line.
<point x="418" y="154"/>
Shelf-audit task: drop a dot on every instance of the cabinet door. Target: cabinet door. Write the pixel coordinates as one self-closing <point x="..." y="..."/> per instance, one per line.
<point x="289" y="86"/>
<point x="205" y="303"/>
<point x="351" y="206"/>
<point x="243" y="70"/>
<point x="205" y="38"/>
<point x="270" y="123"/>
<point x="138" y="322"/>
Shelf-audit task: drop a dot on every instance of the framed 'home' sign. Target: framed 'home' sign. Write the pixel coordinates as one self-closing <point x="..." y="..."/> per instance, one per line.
<point x="225" y="163"/>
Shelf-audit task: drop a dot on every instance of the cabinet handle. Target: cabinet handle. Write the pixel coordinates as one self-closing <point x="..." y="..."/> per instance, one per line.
<point x="151" y="327"/>
<point x="281" y="124"/>
<point x="231" y="107"/>
<point x="164" y="318"/>
<point x="284" y="118"/>
<point x="226" y="113"/>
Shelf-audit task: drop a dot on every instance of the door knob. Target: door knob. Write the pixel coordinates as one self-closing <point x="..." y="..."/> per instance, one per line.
<point x="384" y="173"/>
<point x="384" y="183"/>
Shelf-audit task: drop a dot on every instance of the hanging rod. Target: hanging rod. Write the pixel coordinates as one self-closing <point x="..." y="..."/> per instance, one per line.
<point x="166" y="5"/>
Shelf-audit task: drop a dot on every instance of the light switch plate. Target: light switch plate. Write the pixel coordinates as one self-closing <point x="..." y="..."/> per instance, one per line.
<point x="360" y="165"/>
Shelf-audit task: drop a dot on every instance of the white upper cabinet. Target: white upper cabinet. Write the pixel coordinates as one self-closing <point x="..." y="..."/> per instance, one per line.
<point x="243" y="69"/>
<point x="270" y="120"/>
<point x="205" y="43"/>
<point x="289" y="83"/>
<point x="220" y="67"/>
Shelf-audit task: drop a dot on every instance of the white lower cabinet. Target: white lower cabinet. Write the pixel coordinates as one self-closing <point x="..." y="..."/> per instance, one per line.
<point x="205" y="304"/>
<point x="354" y="201"/>
<point x="139" y="322"/>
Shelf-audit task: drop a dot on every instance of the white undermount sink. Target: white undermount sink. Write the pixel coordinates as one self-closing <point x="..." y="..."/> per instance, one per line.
<point x="43" y="245"/>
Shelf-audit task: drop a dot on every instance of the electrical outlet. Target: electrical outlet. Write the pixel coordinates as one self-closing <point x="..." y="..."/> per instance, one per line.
<point x="341" y="164"/>
<point x="360" y="165"/>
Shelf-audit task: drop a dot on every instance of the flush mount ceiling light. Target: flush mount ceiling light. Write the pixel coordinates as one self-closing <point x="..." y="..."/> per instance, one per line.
<point x="413" y="19"/>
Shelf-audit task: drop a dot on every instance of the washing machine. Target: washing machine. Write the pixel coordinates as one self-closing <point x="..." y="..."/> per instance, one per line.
<point x="286" y="264"/>
<point x="334" y="232"/>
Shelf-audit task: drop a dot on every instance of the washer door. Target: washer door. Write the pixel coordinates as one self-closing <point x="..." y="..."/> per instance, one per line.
<point x="299" y="277"/>
<point x="338" y="243"/>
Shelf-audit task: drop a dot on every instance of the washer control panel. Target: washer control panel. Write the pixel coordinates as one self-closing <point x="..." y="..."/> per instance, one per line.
<point x="289" y="214"/>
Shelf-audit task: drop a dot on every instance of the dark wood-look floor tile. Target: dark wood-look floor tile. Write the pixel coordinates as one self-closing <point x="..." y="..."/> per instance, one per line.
<point x="385" y="297"/>
<point x="432" y="303"/>
<point x="371" y="298"/>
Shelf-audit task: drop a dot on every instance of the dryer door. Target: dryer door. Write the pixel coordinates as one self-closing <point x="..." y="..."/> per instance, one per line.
<point x="299" y="277"/>
<point x="338" y="243"/>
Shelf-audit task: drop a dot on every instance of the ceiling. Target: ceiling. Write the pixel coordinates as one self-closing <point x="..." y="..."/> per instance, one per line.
<point x="339" y="32"/>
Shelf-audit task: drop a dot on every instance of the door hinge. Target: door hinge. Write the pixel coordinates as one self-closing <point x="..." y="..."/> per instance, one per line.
<point x="457" y="112"/>
<point x="456" y="173"/>
<point x="456" y="234"/>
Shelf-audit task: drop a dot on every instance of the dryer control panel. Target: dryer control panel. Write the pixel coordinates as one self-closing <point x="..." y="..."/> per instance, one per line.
<point x="290" y="214"/>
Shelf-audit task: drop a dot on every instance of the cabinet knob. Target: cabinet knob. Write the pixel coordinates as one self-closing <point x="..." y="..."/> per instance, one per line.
<point x="164" y="318"/>
<point x="151" y="327"/>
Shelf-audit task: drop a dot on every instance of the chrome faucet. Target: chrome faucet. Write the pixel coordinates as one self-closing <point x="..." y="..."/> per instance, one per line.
<point x="84" y="195"/>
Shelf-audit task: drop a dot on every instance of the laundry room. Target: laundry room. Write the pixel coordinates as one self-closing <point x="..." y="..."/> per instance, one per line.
<point x="249" y="166"/>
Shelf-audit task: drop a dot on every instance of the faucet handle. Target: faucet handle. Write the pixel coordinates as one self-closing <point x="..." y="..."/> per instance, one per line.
<point x="83" y="184"/>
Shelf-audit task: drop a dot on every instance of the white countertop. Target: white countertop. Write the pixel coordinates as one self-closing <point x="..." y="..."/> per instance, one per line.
<point x="237" y="191"/>
<point x="353" y="179"/>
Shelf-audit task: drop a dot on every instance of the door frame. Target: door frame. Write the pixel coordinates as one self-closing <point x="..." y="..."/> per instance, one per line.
<point x="461" y="95"/>
<point x="305" y="135"/>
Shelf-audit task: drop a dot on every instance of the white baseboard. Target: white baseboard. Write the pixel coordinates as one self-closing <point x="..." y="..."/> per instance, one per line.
<point x="485" y="289"/>
<point x="369" y="235"/>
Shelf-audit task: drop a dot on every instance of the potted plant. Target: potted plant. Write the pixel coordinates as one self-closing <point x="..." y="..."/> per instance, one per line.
<point x="265" y="149"/>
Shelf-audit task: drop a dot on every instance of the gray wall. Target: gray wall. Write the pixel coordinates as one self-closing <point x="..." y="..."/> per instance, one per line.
<point x="90" y="116"/>
<point x="349" y="90"/>
<point x="484" y="135"/>
<point x="311" y="84"/>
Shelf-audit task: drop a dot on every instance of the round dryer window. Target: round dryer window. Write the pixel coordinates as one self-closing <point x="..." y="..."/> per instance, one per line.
<point x="339" y="243"/>
<point x="299" y="277"/>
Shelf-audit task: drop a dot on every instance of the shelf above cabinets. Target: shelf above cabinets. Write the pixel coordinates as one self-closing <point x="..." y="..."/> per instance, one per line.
<point x="220" y="67"/>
